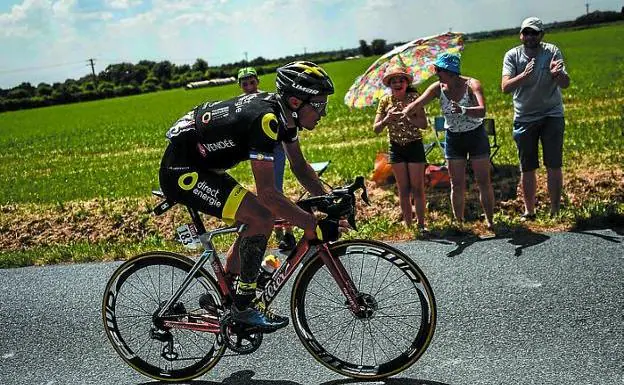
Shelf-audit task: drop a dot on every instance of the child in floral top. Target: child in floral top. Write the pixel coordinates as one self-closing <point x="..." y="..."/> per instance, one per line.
<point x="407" y="154"/>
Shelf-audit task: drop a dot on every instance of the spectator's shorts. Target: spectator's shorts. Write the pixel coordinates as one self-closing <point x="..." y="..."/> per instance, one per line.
<point x="549" y="131"/>
<point x="472" y="144"/>
<point x="412" y="152"/>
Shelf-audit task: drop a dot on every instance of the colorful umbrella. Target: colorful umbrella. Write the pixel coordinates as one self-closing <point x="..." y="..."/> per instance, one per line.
<point x="417" y="57"/>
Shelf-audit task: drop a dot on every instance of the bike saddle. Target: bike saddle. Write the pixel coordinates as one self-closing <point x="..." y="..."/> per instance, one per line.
<point x="163" y="206"/>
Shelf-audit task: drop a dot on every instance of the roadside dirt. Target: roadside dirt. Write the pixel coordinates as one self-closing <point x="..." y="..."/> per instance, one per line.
<point x="24" y="226"/>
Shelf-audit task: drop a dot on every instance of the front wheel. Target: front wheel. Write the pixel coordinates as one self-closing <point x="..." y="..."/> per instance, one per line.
<point x="132" y="298"/>
<point x="394" y="327"/>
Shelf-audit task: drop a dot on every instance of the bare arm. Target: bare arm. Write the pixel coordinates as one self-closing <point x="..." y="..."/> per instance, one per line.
<point x="477" y="111"/>
<point x="418" y="117"/>
<point x="382" y="120"/>
<point x="432" y="92"/>
<point x="558" y="74"/>
<point x="302" y="169"/>
<point x="509" y="83"/>
<point x="276" y="202"/>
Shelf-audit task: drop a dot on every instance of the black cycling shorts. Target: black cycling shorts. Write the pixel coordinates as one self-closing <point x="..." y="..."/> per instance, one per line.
<point x="215" y="193"/>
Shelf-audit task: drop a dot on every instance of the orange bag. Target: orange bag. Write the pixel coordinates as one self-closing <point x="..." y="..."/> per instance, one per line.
<point x="382" y="173"/>
<point x="437" y="176"/>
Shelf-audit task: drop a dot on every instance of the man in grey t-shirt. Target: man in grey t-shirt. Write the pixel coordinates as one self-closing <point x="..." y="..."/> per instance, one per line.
<point x="535" y="73"/>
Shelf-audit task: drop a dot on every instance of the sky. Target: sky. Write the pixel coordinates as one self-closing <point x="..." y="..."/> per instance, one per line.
<point x="52" y="40"/>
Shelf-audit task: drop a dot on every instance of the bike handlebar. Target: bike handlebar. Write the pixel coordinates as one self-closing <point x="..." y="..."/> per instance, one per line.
<point x="339" y="202"/>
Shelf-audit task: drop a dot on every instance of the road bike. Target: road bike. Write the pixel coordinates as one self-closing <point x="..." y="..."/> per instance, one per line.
<point x="361" y="308"/>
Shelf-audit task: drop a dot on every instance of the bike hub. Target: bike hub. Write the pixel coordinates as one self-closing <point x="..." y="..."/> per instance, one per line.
<point x="368" y="306"/>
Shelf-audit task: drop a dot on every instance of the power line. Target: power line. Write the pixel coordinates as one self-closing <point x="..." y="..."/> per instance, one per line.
<point x="39" y="67"/>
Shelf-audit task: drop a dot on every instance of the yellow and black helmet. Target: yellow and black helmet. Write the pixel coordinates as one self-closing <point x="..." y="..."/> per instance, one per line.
<point x="303" y="79"/>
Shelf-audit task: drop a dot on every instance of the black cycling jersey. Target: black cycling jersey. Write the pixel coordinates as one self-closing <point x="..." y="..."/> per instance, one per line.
<point x="219" y="135"/>
<point x="214" y="137"/>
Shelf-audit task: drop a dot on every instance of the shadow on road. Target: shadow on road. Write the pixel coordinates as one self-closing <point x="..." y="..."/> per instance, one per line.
<point x="387" y="381"/>
<point x="244" y="377"/>
<point x="526" y="239"/>
<point x="520" y="239"/>
<point x="610" y="238"/>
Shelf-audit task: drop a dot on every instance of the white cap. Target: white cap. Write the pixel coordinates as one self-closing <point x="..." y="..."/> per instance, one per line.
<point x="532" y="23"/>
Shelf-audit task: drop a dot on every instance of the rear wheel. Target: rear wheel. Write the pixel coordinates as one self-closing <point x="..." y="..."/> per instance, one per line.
<point x="133" y="297"/>
<point x="397" y="314"/>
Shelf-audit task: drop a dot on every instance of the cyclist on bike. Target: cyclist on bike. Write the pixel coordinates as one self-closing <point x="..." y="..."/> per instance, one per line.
<point x="216" y="136"/>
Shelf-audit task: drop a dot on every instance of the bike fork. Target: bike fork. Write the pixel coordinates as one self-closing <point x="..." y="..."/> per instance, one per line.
<point x="342" y="277"/>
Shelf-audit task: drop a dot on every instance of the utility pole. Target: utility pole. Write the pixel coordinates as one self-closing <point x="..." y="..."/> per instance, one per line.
<point x="91" y="61"/>
<point x="246" y="61"/>
<point x="587" y="8"/>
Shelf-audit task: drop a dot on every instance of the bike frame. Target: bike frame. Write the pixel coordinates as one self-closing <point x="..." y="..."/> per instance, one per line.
<point x="303" y="251"/>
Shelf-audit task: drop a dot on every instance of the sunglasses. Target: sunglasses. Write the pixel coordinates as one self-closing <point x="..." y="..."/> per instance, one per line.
<point x="530" y="32"/>
<point x="319" y="107"/>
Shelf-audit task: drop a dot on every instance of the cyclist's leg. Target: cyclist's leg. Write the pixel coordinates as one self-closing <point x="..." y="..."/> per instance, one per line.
<point x="252" y="246"/>
<point x="252" y="243"/>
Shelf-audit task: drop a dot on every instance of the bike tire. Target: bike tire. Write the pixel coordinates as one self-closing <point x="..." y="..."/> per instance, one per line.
<point x="391" y="338"/>
<point x="135" y="292"/>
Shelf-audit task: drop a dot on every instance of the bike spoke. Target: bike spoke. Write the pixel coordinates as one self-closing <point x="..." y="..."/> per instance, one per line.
<point x="149" y="274"/>
<point x="335" y="302"/>
<point x="140" y="312"/>
<point x="374" y="274"/>
<point x="362" y="351"/>
<point x="324" y="286"/>
<point x="362" y="258"/>
<point x="394" y="333"/>
<point x="397" y="304"/>
<point x="336" y="326"/>
<point x="373" y="341"/>
<point x="383" y="281"/>
<point x="350" y="341"/>
<point x="395" y="293"/>
<point x="390" y="283"/>
<point x="140" y="291"/>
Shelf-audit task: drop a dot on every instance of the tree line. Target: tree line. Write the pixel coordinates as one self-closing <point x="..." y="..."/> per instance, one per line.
<point x="124" y="79"/>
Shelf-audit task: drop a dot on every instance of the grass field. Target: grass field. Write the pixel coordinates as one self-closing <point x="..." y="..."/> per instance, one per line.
<point x="64" y="156"/>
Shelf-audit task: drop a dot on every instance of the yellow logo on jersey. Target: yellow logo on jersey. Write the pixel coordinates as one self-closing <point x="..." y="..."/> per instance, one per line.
<point x="182" y="180"/>
<point x="269" y="125"/>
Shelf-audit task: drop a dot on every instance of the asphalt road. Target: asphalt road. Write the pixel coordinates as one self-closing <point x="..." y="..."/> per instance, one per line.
<point x="532" y="309"/>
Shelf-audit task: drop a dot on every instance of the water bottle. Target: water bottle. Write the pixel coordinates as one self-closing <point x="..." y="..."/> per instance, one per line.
<point x="267" y="268"/>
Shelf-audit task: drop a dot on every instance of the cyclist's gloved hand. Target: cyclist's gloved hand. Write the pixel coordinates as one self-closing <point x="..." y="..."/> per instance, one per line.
<point x="328" y="230"/>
